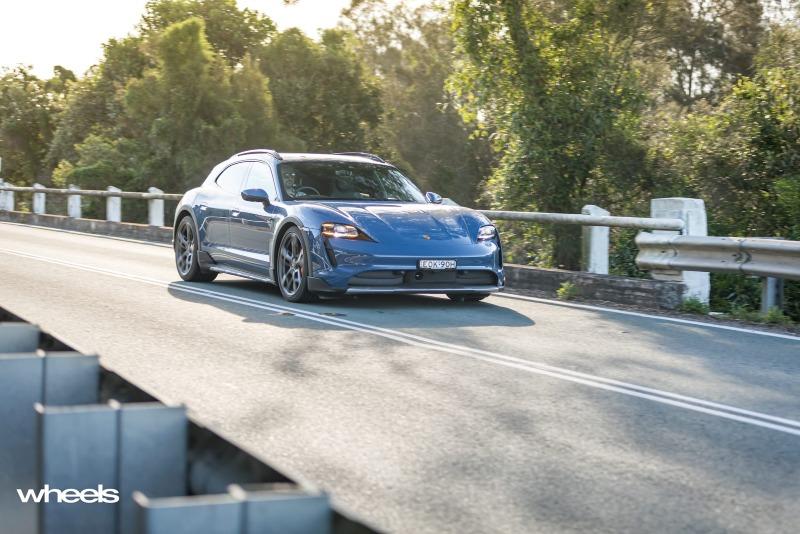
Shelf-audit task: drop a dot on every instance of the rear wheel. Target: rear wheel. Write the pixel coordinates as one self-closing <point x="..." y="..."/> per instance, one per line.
<point x="186" y="253"/>
<point x="293" y="267"/>
<point x="467" y="297"/>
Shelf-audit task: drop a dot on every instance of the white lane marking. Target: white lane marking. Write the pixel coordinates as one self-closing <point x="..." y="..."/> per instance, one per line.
<point x="646" y="315"/>
<point x="690" y="403"/>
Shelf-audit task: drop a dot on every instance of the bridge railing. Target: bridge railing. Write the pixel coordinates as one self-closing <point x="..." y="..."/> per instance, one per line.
<point x="155" y="200"/>
<point x="678" y="248"/>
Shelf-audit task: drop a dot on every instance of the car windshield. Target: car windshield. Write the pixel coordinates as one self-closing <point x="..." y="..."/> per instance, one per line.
<point x="346" y="180"/>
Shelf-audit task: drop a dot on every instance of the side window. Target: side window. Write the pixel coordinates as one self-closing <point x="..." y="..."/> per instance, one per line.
<point x="261" y="178"/>
<point x="232" y="178"/>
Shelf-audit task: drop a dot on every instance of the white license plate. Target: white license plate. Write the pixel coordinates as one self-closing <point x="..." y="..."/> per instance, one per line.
<point x="437" y="265"/>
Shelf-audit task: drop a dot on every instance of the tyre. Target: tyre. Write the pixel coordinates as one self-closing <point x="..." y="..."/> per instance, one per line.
<point x="186" y="240"/>
<point x="467" y="297"/>
<point x="293" y="267"/>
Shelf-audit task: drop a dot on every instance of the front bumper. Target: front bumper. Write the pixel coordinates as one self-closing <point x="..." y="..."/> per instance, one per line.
<point x="357" y="267"/>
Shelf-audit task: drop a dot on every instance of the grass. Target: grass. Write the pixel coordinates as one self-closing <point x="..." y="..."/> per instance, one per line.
<point x="773" y="316"/>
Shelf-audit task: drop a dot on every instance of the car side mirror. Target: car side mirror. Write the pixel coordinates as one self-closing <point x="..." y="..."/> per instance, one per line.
<point x="433" y="198"/>
<point x="255" y="195"/>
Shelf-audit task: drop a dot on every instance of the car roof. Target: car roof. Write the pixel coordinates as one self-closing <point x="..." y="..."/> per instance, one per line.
<point x="266" y="154"/>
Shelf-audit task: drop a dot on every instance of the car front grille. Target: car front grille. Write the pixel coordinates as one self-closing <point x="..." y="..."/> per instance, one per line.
<point x="422" y="279"/>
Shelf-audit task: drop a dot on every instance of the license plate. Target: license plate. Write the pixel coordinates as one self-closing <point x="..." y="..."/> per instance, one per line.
<point x="437" y="265"/>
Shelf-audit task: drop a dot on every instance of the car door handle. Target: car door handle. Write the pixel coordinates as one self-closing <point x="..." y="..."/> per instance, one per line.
<point x="234" y="213"/>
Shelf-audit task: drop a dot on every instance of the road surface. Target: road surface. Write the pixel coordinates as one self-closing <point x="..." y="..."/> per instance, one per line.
<point x="420" y="415"/>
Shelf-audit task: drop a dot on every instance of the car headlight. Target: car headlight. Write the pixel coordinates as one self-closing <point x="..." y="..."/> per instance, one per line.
<point x="487" y="232"/>
<point x="342" y="231"/>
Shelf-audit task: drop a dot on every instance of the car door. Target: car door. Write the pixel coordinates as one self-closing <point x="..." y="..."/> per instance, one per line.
<point x="216" y="210"/>
<point x="252" y="224"/>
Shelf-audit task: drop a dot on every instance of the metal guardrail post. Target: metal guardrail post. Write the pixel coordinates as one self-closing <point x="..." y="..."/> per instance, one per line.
<point x="595" y="242"/>
<point x="771" y="294"/>
<point x="74" y="203"/>
<point x="693" y="213"/>
<point x="113" y="205"/>
<point x="39" y="205"/>
<point x="155" y="208"/>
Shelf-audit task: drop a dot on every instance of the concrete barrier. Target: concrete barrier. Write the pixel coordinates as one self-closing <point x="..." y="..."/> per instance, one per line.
<point x="653" y="294"/>
<point x="143" y="232"/>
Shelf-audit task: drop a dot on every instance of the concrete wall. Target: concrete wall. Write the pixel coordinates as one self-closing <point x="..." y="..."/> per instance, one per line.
<point x="144" y="232"/>
<point x="653" y="294"/>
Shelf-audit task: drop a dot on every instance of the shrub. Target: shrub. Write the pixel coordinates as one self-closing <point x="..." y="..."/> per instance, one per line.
<point x="567" y="291"/>
<point x="776" y="316"/>
<point x="743" y="313"/>
<point x="694" y="305"/>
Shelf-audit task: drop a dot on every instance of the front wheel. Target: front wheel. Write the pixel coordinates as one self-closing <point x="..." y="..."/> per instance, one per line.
<point x="293" y="267"/>
<point x="186" y="253"/>
<point x="467" y="297"/>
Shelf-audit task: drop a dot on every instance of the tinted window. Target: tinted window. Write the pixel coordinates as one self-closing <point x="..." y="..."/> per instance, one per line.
<point x="261" y="178"/>
<point x="345" y="180"/>
<point x="232" y="178"/>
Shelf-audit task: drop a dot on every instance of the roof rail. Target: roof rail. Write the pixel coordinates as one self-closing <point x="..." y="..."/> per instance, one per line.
<point x="367" y="155"/>
<point x="273" y="153"/>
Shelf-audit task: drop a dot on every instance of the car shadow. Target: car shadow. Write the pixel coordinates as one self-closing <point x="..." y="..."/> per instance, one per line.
<point x="397" y="311"/>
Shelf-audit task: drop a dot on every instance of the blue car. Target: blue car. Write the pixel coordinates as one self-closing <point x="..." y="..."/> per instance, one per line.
<point x="332" y="224"/>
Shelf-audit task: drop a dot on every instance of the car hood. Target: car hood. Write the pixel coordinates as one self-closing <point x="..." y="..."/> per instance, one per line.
<point x="412" y="221"/>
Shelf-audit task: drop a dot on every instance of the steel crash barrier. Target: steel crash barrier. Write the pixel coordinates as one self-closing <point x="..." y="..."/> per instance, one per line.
<point x="741" y="255"/>
<point x="100" y="455"/>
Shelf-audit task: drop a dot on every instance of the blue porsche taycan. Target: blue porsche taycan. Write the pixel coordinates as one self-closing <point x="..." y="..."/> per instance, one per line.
<point x="332" y="224"/>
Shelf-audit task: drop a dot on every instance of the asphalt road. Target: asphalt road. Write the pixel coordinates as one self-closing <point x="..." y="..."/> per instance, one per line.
<point x="420" y="415"/>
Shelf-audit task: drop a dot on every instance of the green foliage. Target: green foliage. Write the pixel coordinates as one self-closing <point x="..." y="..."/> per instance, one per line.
<point x="694" y="305"/>
<point x="776" y="316"/>
<point x="567" y="291"/>
<point x="562" y="100"/>
<point x="744" y="313"/>
<point x="412" y="53"/>
<point x="28" y="108"/>
<point x="231" y="32"/>
<point x="741" y="157"/>
<point x="321" y="91"/>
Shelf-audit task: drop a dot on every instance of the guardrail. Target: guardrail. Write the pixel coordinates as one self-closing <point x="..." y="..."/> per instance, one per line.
<point x="684" y="251"/>
<point x="642" y="223"/>
<point x="740" y="255"/>
<point x="102" y="455"/>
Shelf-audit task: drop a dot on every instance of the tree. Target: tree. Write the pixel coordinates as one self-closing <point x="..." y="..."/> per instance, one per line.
<point x="412" y="53"/>
<point x="95" y="104"/>
<point x="559" y="96"/>
<point x="28" y="110"/>
<point x="231" y="32"/>
<point x="321" y="91"/>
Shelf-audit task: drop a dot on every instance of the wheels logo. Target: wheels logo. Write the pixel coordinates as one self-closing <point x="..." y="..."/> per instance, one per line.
<point x="100" y="495"/>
